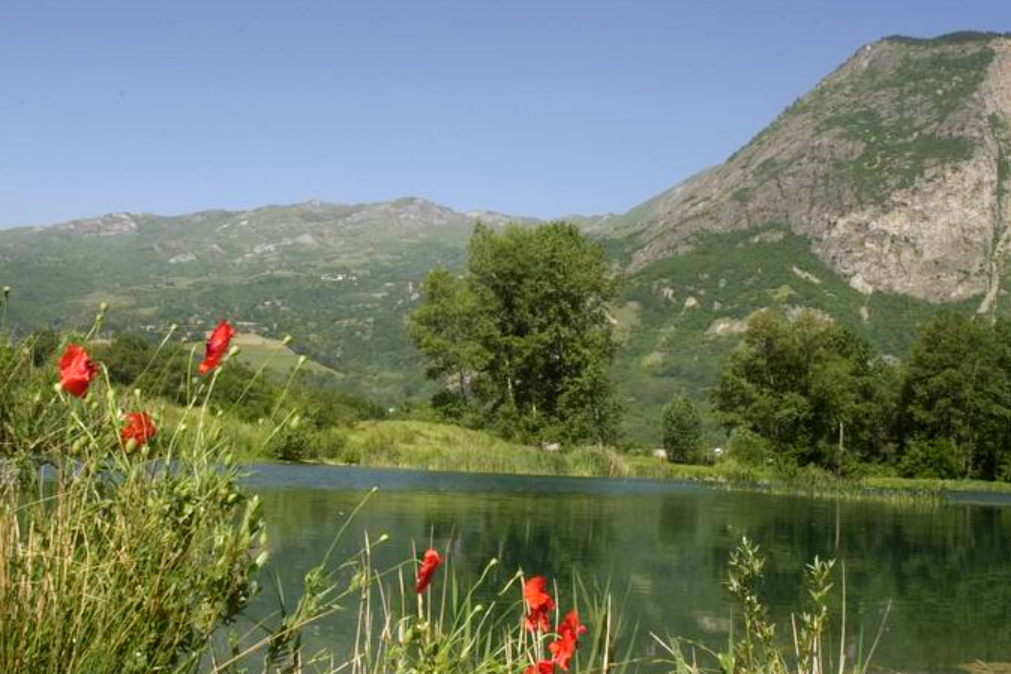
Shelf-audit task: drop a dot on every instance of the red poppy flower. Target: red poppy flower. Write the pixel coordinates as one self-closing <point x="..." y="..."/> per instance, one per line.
<point x="217" y="346"/>
<point x="539" y="602"/>
<point x="76" y="370"/>
<point x="569" y="632"/>
<point x="542" y="667"/>
<point x="429" y="565"/>
<point x="139" y="428"/>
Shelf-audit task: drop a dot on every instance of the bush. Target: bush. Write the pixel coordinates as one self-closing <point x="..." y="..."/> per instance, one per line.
<point x="749" y="448"/>
<point x="937" y="458"/>
<point x="292" y="443"/>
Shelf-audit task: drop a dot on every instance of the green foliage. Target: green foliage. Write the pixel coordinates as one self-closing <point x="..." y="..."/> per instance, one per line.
<point x="933" y="459"/>
<point x="166" y="370"/>
<point x="682" y="429"/>
<point x="453" y="330"/>
<point x="959" y="389"/>
<point x="135" y="557"/>
<point x="749" y="448"/>
<point x="526" y="333"/>
<point x="817" y="395"/>
<point x="760" y="649"/>
<point x="671" y="348"/>
<point x="810" y="387"/>
<point x="291" y="443"/>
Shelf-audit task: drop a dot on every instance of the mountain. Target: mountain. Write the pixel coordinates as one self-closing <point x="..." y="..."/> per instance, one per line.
<point x="873" y="199"/>
<point x="340" y="278"/>
<point x="894" y="167"/>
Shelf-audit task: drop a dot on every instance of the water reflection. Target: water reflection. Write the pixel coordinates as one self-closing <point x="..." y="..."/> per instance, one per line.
<point x="946" y="570"/>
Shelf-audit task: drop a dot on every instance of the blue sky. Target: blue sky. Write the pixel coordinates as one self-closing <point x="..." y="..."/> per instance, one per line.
<point x="528" y="107"/>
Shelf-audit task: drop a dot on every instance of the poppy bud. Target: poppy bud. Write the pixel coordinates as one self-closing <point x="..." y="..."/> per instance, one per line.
<point x="286" y="340"/>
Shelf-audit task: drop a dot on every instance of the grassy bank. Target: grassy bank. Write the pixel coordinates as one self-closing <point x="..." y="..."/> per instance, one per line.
<point x="422" y="445"/>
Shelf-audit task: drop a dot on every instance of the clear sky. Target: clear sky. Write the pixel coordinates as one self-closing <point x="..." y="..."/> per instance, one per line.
<point x="531" y="107"/>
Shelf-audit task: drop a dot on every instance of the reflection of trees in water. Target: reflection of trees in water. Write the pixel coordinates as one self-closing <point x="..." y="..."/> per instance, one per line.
<point x="946" y="568"/>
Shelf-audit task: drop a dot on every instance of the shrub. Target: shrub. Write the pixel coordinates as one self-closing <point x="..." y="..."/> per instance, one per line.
<point x="749" y="448"/>
<point x="937" y="458"/>
<point x="292" y="443"/>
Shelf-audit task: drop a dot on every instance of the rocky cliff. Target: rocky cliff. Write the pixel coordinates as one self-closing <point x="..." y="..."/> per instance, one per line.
<point x="895" y="167"/>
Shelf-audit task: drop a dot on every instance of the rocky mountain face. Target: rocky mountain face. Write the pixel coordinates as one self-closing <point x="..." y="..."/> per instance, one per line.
<point x="895" y="168"/>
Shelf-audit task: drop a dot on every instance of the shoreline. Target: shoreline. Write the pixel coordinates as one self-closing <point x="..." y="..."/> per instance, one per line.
<point x="428" y="446"/>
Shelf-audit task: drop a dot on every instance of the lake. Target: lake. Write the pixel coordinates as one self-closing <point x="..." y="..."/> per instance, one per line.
<point x="664" y="547"/>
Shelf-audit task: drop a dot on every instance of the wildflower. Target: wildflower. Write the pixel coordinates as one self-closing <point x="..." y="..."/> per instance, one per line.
<point x="569" y="632"/>
<point x="542" y="667"/>
<point x="139" y="428"/>
<point x="217" y="346"/>
<point x="76" y="370"/>
<point x="429" y="565"/>
<point x="539" y="602"/>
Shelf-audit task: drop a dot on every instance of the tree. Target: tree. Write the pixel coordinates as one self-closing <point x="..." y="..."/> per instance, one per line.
<point x="810" y="387"/>
<point x="682" y="429"/>
<point x="451" y="329"/>
<point x="958" y="389"/>
<point x="526" y="331"/>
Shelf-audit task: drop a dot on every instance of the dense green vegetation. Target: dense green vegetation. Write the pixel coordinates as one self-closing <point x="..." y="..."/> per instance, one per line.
<point x="524" y="338"/>
<point x="814" y="393"/>
<point x="314" y="411"/>
<point x="671" y="344"/>
<point x="347" y="301"/>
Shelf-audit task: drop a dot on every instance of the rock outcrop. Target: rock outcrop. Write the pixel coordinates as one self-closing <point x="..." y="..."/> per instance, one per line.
<point x="895" y="167"/>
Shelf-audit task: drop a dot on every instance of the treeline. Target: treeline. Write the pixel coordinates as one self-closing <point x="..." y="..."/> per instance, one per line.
<point x="809" y="391"/>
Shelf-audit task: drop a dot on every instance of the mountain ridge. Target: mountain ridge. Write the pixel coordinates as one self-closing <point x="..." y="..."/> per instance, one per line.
<point x="874" y="198"/>
<point x="904" y="131"/>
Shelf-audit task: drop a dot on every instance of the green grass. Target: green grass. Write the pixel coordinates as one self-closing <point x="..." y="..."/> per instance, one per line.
<point x="257" y="350"/>
<point x="424" y="445"/>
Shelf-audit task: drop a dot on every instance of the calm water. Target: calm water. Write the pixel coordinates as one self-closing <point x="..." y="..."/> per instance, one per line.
<point x="946" y="570"/>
